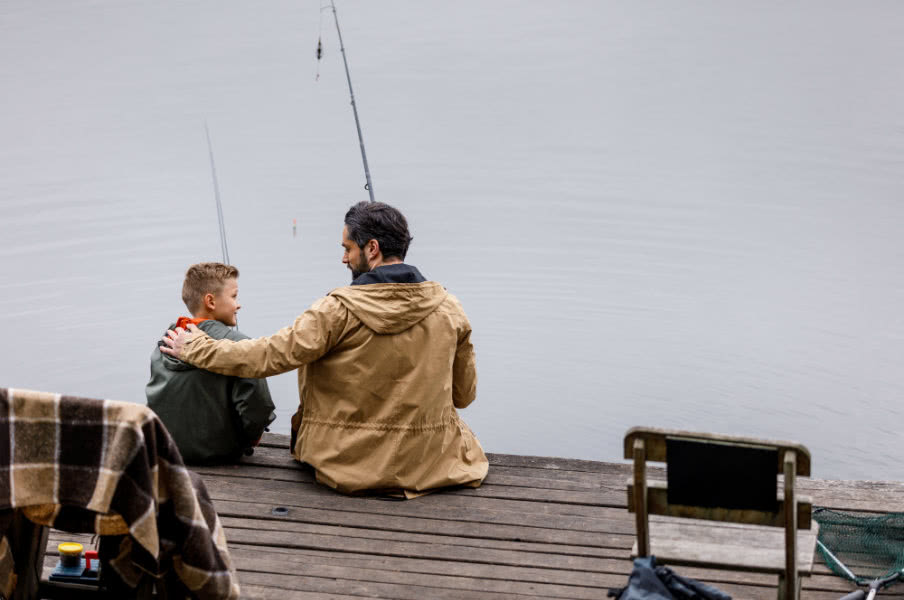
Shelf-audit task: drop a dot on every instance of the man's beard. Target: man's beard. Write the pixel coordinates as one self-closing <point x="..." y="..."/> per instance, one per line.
<point x="360" y="268"/>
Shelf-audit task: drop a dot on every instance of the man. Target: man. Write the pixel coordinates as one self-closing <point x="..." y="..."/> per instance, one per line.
<point x="383" y="364"/>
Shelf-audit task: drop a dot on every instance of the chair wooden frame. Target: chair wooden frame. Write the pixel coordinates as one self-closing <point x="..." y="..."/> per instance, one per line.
<point x="672" y="546"/>
<point x="27" y="542"/>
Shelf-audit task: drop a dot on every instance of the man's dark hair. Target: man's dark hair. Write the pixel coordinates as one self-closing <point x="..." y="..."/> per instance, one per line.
<point x="377" y="221"/>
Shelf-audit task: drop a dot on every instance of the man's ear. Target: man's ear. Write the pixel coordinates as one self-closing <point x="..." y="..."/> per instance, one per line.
<point x="210" y="302"/>
<point x="373" y="249"/>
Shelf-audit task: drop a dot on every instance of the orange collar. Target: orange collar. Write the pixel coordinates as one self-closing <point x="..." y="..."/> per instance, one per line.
<point x="184" y="321"/>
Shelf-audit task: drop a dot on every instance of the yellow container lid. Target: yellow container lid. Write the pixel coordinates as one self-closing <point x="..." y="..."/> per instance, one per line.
<point x="70" y="548"/>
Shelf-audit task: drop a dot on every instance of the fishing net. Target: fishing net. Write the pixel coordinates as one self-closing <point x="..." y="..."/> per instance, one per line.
<point x="861" y="547"/>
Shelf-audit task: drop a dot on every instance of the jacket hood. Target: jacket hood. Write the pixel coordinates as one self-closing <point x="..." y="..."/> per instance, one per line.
<point x="389" y="308"/>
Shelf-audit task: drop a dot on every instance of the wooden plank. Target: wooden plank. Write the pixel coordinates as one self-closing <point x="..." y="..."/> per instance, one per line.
<point x="256" y="560"/>
<point x="615" y="534"/>
<point x="402" y="565"/>
<point x="500" y="476"/>
<point x="281" y="442"/>
<point x="696" y="543"/>
<point x="488" y="531"/>
<point x="302" y="567"/>
<point x="884" y="595"/>
<point x="549" y="476"/>
<point x="275" y="440"/>
<point x="57" y="537"/>
<point x="496" y="486"/>
<point x="841" y="495"/>
<point x="658" y="504"/>
<point x="274" y="457"/>
<point x="280" y="458"/>
<point x="833" y="485"/>
<point x="261" y="592"/>
<point x="363" y="534"/>
<point x="437" y="551"/>
<point x="878" y="497"/>
<point x="399" y="591"/>
<point x="558" y="464"/>
<point x="538" y="495"/>
<point x="500" y="484"/>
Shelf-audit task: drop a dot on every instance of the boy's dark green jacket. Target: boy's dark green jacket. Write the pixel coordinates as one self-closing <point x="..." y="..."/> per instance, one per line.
<point x="213" y="418"/>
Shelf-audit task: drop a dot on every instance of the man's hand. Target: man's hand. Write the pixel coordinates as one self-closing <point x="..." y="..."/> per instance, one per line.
<point x="174" y="341"/>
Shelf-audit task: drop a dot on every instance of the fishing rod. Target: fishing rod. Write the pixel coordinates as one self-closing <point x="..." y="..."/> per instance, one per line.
<point x="369" y="185"/>
<point x="224" y="248"/>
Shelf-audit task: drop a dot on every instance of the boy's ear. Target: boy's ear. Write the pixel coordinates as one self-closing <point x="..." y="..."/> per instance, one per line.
<point x="209" y="301"/>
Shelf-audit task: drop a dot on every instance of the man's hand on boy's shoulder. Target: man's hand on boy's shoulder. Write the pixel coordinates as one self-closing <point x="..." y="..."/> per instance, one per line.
<point x="174" y="341"/>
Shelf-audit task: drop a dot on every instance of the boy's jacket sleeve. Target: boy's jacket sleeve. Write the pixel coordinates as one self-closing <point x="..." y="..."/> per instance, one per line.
<point x="312" y="335"/>
<point x="251" y="398"/>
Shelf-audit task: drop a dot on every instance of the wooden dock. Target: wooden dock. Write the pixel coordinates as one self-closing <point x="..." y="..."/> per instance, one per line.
<point x="537" y="528"/>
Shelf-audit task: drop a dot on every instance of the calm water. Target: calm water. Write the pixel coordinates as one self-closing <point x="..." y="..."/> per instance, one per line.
<point x="681" y="215"/>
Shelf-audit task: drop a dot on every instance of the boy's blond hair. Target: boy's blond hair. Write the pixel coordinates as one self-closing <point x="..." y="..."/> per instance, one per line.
<point x="205" y="278"/>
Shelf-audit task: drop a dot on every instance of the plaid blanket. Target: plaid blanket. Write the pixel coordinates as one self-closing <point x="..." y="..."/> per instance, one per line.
<point x="109" y="468"/>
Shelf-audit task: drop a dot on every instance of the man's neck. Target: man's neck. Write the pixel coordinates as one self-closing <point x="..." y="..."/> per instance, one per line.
<point x="382" y="262"/>
<point x="399" y="272"/>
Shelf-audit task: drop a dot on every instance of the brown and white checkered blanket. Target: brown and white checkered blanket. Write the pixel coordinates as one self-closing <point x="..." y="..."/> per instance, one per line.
<point x="109" y="468"/>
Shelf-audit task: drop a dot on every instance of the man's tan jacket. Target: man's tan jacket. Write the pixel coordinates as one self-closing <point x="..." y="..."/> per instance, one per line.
<point x="381" y="370"/>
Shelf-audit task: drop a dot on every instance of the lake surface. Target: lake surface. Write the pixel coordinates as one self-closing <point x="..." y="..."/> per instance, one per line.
<point x="679" y="215"/>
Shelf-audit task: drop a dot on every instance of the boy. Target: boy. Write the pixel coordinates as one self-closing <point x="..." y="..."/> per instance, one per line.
<point x="213" y="418"/>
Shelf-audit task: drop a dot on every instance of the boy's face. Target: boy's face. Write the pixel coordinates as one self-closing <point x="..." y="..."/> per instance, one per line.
<point x="226" y="303"/>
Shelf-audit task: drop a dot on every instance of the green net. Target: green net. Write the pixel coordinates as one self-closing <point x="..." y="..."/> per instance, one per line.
<point x="861" y="547"/>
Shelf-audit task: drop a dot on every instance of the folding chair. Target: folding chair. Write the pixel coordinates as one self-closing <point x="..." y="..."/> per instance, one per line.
<point x="728" y="479"/>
